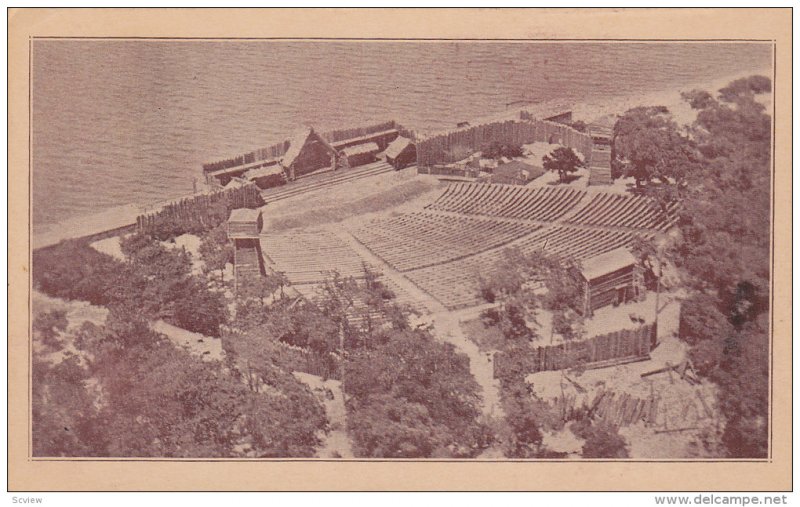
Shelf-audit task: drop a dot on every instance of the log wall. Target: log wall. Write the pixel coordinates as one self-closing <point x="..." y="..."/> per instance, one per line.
<point x="619" y="345"/>
<point x="198" y="213"/>
<point x="441" y="148"/>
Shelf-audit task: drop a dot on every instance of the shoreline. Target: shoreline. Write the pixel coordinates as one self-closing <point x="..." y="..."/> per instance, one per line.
<point x="586" y="110"/>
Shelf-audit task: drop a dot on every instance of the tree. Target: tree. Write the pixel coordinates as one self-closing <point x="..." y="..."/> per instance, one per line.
<point x="497" y="149"/>
<point x="745" y="87"/>
<point x="48" y="325"/>
<point x="412" y="396"/>
<point x="388" y="427"/>
<point x="723" y="252"/>
<point x="74" y="270"/>
<point x="198" y="309"/>
<point x="649" y="145"/>
<point x="133" y="395"/>
<point x="216" y="250"/>
<point x="523" y="284"/>
<point x="562" y="160"/>
<point x="65" y="419"/>
<point x="602" y="440"/>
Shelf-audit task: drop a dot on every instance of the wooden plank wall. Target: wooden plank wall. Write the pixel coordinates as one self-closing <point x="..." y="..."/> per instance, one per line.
<point x="628" y="343"/>
<point x="193" y="214"/>
<point x="437" y="149"/>
<point x="277" y="150"/>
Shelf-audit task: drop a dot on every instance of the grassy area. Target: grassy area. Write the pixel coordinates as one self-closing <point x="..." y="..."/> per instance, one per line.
<point x="391" y="197"/>
<point x="486" y="338"/>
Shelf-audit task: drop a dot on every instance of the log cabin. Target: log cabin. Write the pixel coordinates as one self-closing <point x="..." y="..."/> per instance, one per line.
<point x="613" y="277"/>
<point x="401" y="153"/>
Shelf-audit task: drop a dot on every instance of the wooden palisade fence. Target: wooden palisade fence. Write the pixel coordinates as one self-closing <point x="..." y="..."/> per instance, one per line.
<point x="443" y="148"/>
<point x="611" y="348"/>
<point x="279" y="149"/>
<point x="198" y="213"/>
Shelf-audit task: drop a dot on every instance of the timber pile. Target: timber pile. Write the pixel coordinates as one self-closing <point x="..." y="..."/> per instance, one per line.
<point x="607" y="406"/>
<point x="624" y="409"/>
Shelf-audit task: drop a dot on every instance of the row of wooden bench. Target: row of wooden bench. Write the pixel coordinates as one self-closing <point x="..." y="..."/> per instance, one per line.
<point x="456" y="284"/>
<point x="614" y="210"/>
<point x="415" y="240"/>
<point x="510" y="201"/>
<point x="306" y="257"/>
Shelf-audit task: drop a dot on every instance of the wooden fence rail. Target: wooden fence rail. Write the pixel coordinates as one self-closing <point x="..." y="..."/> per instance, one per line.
<point x="279" y="149"/>
<point x="438" y="170"/>
<point x="598" y="350"/>
<point x="198" y="213"/>
<point x="449" y="147"/>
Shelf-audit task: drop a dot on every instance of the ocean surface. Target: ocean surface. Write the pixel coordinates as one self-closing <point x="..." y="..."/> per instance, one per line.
<point x="117" y="122"/>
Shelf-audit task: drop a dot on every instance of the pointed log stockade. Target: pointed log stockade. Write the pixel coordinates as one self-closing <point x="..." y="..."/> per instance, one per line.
<point x="279" y="149"/>
<point x="198" y="213"/>
<point x="606" y="350"/>
<point x="446" y="148"/>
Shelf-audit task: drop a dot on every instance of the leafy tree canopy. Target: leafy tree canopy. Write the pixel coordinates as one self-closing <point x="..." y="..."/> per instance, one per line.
<point x="562" y="160"/>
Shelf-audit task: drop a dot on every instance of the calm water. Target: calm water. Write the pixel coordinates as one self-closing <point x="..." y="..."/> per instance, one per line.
<point x="116" y="122"/>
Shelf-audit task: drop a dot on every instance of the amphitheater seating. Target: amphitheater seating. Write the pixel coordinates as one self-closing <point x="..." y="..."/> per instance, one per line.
<point x="415" y="240"/>
<point x="456" y="284"/>
<point x="508" y="201"/>
<point x="309" y="256"/>
<point x="614" y="210"/>
<point x="446" y="248"/>
<point x="314" y="182"/>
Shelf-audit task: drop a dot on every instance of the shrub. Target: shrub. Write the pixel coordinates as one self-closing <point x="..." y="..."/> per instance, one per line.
<point x="497" y="149"/>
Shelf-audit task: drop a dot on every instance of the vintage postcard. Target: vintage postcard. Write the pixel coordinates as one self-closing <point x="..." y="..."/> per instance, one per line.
<point x="400" y="249"/>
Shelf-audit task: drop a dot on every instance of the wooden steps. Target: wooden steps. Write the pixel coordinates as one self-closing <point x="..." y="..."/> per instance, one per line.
<point x="320" y="181"/>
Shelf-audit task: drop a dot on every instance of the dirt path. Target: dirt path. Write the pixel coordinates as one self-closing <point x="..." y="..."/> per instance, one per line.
<point x="446" y="325"/>
<point x="336" y="443"/>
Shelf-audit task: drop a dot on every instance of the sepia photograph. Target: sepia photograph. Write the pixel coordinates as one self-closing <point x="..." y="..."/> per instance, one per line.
<point x="378" y="249"/>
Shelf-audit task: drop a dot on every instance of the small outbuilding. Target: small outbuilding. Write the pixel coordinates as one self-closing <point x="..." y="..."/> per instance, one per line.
<point x="244" y="223"/>
<point x="267" y="177"/>
<point x="361" y="154"/>
<point x="515" y="173"/>
<point x="401" y="152"/>
<point x="610" y="278"/>
<point x="244" y="227"/>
